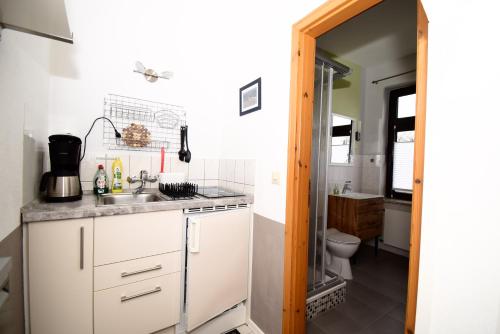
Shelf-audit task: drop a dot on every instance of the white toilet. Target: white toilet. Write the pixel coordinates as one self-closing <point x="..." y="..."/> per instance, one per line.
<point x="339" y="248"/>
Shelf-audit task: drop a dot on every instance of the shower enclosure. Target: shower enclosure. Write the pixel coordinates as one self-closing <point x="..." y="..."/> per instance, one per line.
<point x="326" y="71"/>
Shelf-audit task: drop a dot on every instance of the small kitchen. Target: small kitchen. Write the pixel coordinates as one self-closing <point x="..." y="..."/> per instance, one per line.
<point x="136" y="215"/>
<point x="138" y="260"/>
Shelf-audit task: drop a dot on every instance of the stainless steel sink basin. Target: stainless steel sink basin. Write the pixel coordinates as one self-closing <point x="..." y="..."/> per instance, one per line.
<point x="127" y="198"/>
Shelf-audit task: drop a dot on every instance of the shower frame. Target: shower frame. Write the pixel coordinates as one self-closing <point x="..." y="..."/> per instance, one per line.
<point x="326" y="72"/>
<point x="304" y="33"/>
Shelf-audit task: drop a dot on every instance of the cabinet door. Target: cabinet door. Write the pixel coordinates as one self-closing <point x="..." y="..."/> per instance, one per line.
<point x="60" y="268"/>
<point x="217" y="266"/>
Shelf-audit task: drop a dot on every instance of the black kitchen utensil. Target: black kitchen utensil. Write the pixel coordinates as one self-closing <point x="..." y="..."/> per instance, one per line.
<point x="182" y="151"/>
<point x="187" y="158"/>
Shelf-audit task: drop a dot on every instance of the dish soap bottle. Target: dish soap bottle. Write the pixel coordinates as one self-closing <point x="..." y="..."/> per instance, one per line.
<point x="100" y="181"/>
<point x="117" y="184"/>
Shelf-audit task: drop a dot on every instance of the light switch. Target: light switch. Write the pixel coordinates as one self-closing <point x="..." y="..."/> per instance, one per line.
<point x="276" y="177"/>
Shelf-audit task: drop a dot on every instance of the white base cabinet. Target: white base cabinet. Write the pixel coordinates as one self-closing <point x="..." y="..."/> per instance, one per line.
<point x="138" y="308"/>
<point x="124" y="274"/>
<point x="60" y="271"/>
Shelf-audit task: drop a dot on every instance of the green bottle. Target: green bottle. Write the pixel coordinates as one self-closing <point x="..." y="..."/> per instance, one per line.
<point x="101" y="181"/>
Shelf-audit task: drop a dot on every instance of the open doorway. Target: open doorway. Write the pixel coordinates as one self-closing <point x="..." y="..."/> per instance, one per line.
<point x="357" y="147"/>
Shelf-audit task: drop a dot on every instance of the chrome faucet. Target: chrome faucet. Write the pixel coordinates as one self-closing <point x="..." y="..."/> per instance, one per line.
<point x="143" y="178"/>
<point x="347" y="187"/>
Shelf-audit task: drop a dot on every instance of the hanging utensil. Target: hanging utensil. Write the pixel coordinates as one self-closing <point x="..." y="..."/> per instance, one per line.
<point x="187" y="158"/>
<point x="182" y="151"/>
<point x="162" y="163"/>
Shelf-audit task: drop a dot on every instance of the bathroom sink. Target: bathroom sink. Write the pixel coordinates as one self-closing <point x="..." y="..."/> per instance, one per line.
<point x="127" y="198"/>
<point x="359" y="195"/>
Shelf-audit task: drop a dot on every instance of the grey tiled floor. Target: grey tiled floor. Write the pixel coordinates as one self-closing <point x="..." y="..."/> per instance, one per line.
<point x="376" y="297"/>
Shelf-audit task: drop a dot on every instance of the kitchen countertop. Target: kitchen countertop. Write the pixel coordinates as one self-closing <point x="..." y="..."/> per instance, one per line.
<point x="38" y="210"/>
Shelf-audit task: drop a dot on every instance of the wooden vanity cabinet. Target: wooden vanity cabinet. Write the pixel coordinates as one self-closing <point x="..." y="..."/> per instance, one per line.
<point x="363" y="218"/>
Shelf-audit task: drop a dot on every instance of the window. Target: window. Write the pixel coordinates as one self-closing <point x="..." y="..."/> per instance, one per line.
<point x="401" y="137"/>
<point x="341" y="140"/>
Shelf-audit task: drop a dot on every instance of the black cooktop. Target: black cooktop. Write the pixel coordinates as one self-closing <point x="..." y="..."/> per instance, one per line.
<point x="217" y="192"/>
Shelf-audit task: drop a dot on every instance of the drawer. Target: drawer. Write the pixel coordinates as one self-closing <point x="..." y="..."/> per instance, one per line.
<point x="369" y="205"/>
<point x="369" y="232"/>
<point x="138" y="308"/>
<point x="369" y="219"/>
<point x="112" y="275"/>
<point x="127" y="237"/>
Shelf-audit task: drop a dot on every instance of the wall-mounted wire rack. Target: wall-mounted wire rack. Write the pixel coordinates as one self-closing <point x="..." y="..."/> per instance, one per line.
<point x="162" y="121"/>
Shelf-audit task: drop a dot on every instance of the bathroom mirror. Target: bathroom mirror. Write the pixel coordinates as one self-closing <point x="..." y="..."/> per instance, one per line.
<point x="341" y="140"/>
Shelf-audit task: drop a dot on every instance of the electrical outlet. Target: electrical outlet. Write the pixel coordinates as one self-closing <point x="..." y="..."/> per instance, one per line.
<point x="276" y="177"/>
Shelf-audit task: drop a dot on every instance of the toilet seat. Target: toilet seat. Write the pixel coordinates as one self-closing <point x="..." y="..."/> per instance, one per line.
<point x="334" y="235"/>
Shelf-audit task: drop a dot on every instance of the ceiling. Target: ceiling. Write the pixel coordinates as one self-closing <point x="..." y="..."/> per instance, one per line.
<point x="383" y="33"/>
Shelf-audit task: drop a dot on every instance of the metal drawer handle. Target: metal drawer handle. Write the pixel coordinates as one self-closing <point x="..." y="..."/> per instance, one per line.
<point x="125" y="274"/>
<point x="126" y="298"/>
<point x="82" y="241"/>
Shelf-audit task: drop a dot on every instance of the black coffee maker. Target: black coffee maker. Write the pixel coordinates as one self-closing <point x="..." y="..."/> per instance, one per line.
<point x="62" y="183"/>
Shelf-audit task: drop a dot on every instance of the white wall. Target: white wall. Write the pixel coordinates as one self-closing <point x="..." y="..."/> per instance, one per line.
<point x="260" y="46"/>
<point x="375" y="118"/>
<point x="110" y="37"/>
<point x="374" y="145"/>
<point x="459" y="272"/>
<point x="213" y="52"/>
<point x="338" y="175"/>
<point x="24" y="89"/>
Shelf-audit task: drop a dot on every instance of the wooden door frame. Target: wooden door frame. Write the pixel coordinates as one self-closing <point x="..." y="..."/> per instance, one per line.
<point x="304" y="34"/>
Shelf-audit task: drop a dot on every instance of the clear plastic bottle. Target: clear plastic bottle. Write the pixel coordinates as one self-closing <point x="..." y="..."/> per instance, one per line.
<point x="100" y="181"/>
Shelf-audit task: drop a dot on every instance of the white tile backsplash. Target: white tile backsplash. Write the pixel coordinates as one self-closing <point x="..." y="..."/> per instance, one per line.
<point x="238" y="187"/>
<point x="250" y="172"/>
<point x="178" y="166"/>
<point x="340" y="174"/>
<point x="235" y="174"/>
<point x="247" y="189"/>
<point x="138" y="163"/>
<point x="156" y="164"/>
<point x="88" y="167"/>
<point x="230" y="170"/>
<point x="239" y="171"/>
<point x="87" y="186"/>
<point x="196" y="169"/>
<point x="211" y="169"/>
<point x="222" y="170"/>
<point x="211" y="183"/>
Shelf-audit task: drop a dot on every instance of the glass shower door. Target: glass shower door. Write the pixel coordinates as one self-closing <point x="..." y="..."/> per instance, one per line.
<point x="318" y="183"/>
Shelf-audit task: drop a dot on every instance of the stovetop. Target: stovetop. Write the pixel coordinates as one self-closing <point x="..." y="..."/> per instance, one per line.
<point x="217" y="192"/>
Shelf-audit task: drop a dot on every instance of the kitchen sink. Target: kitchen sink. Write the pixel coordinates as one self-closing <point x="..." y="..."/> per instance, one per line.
<point x="127" y="198"/>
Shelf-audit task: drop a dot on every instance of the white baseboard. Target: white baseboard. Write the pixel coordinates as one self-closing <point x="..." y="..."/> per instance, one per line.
<point x="253" y="326"/>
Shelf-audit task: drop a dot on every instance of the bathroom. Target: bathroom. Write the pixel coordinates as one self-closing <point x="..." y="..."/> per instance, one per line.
<point x="361" y="173"/>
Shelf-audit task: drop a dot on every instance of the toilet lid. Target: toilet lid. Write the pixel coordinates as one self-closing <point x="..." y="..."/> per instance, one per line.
<point x="340" y="237"/>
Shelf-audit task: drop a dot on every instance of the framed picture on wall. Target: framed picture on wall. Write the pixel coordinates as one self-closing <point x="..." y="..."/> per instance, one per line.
<point x="250" y="98"/>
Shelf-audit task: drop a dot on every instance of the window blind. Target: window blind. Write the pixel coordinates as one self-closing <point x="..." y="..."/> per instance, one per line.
<point x="402" y="177"/>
